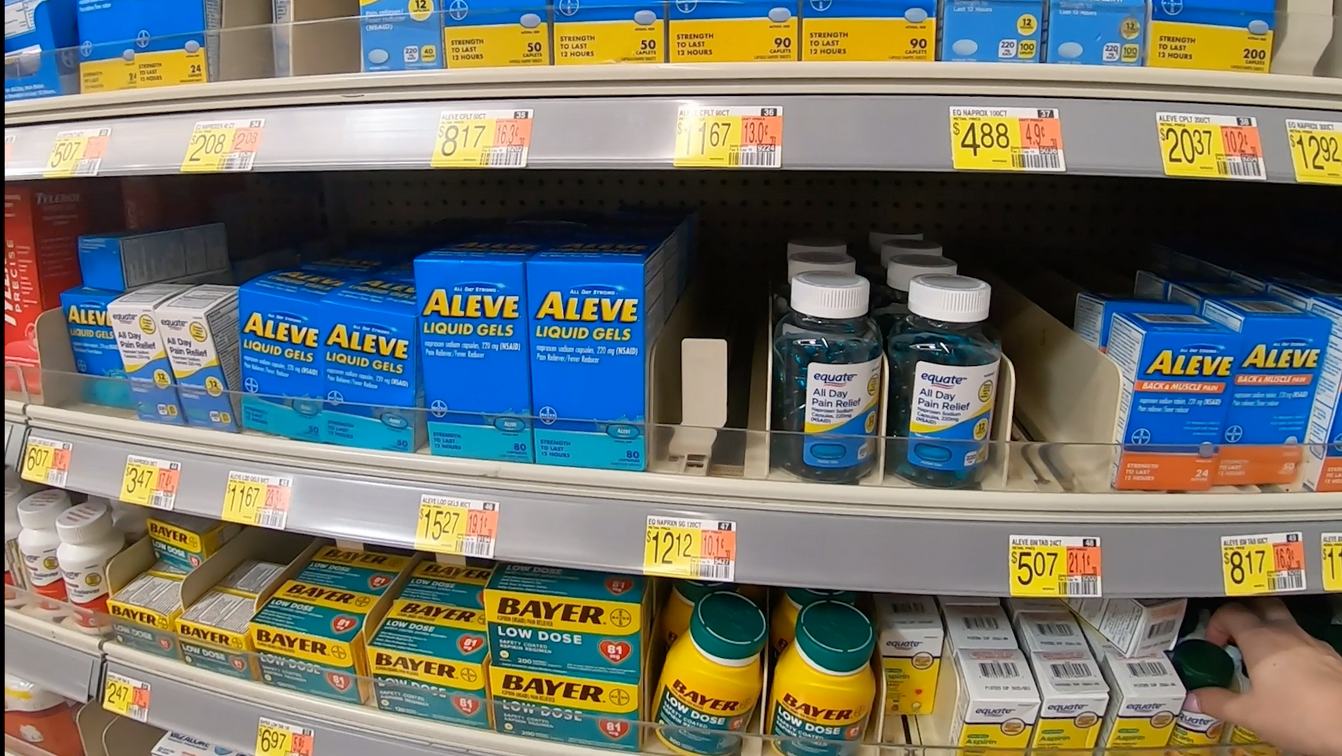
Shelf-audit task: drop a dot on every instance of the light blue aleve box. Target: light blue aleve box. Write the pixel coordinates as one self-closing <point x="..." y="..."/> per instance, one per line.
<point x="401" y="37"/>
<point x="1096" y="32"/>
<point x="987" y="31"/>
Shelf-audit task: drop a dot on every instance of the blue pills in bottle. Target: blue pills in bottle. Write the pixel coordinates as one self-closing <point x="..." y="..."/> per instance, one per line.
<point x="827" y="380"/>
<point x="943" y="383"/>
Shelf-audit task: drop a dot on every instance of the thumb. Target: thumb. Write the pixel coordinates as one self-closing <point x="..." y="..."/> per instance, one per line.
<point x="1223" y="704"/>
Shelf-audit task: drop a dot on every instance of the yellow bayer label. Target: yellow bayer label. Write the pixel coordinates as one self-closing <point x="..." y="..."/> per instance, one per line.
<point x="910" y="683"/>
<point x="112" y="75"/>
<point x="1213" y="48"/>
<point x="496" y="46"/>
<point x="733" y="40"/>
<point x="168" y="68"/>
<point x="584" y="43"/>
<point x="869" y="39"/>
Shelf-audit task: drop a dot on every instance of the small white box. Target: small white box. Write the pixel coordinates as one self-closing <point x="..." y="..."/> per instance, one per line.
<point x="144" y="355"/>
<point x="971" y="627"/>
<point x="1136" y="627"/>
<point x="910" y="642"/>
<point x="200" y="331"/>
<point x="946" y="601"/>
<point x="1015" y="606"/>
<point x="1049" y="631"/>
<point x="995" y="701"/>
<point x="1145" y="698"/>
<point x="1073" y="698"/>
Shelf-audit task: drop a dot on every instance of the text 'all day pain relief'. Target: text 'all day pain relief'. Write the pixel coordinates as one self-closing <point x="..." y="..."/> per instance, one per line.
<point x="1003" y="31"/>
<point x="143" y="353"/>
<point x="609" y="31"/>
<point x="200" y="330"/>
<point x="1177" y="372"/>
<point x="703" y="31"/>
<point x="496" y="33"/>
<point x="473" y="321"/>
<point x="868" y="30"/>
<point x="1214" y="35"/>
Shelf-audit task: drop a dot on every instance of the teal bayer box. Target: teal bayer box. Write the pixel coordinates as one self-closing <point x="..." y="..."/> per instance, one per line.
<point x="1002" y="31"/>
<point x="590" y="336"/>
<point x="371" y="368"/>
<point x="400" y="36"/>
<point x="473" y="322"/>
<point x="94" y="344"/>
<point x="1096" y="32"/>
<point x="282" y="369"/>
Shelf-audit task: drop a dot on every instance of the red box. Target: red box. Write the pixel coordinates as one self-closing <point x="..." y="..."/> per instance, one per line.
<point x="43" y="221"/>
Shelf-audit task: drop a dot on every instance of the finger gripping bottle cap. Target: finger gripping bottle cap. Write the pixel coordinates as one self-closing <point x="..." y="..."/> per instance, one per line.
<point x="1202" y="664"/>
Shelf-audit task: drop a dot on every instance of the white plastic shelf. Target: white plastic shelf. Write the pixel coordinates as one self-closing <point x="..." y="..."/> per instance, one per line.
<point x="53" y="657"/>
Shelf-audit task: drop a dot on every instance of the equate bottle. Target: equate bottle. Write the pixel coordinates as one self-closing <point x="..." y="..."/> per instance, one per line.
<point x="711" y="682"/>
<point x="783" y="624"/>
<point x="680" y="605"/>
<point x="823" y="685"/>
<point x="38" y="542"/>
<point x="1200" y="664"/>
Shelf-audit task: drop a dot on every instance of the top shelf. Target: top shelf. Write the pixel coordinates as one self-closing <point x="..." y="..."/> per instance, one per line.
<point x="837" y="116"/>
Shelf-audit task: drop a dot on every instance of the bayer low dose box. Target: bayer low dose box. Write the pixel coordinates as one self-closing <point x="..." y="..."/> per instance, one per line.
<point x="1095" y="314"/>
<point x="1096" y="32"/>
<point x="1212" y="35"/>
<point x="910" y="642"/>
<point x="473" y="316"/>
<point x="371" y="362"/>
<point x="1177" y="371"/>
<point x="609" y="31"/>
<point x="200" y="331"/>
<point x="282" y="339"/>
<point x="93" y="341"/>
<point x="868" y="30"/>
<point x="41" y="37"/>
<point x="1277" y="373"/>
<point x="596" y="309"/>
<point x="497" y="34"/>
<point x="144" y="355"/>
<point x="1073" y="697"/>
<point x="400" y="36"/>
<point x="987" y="31"/>
<point x="1135" y="627"/>
<point x="744" y="32"/>
<point x="1145" y="697"/>
<point x="1323" y="459"/>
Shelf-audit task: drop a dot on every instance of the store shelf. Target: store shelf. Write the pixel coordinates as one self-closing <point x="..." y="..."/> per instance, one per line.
<point x="836" y="116"/>
<point x="856" y="537"/>
<point x="15" y="433"/>
<point x="65" y="661"/>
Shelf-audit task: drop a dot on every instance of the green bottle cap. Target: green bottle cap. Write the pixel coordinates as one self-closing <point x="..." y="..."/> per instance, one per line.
<point x="806" y="596"/>
<point x="693" y="590"/>
<point x="835" y="636"/>
<point x="1202" y="664"/>
<point x="728" y="625"/>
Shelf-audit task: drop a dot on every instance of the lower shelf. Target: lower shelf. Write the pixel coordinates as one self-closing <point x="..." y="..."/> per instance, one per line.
<point x="65" y="661"/>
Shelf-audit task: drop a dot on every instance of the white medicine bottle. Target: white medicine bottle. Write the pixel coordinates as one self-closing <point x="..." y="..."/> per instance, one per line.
<point x="131" y="519"/>
<point x="38" y="543"/>
<point x="89" y="540"/>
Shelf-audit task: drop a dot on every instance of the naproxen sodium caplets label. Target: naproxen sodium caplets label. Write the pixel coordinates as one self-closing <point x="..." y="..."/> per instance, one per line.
<point x="952" y="404"/>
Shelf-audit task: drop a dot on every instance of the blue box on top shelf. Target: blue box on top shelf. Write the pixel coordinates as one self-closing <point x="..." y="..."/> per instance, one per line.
<point x="1096" y="32"/>
<point x="41" y="56"/>
<point x="372" y="366"/>
<point x="107" y="33"/>
<point x="1004" y="31"/>
<point x="477" y="361"/>
<point x="401" y="36"/>
<point x="94" y="343"/>
<point x="283" y="317"/>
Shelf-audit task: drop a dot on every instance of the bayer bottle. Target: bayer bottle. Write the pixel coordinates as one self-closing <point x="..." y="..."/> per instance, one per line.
<point x="943" y="383"/>
<point x="827" y="380"/>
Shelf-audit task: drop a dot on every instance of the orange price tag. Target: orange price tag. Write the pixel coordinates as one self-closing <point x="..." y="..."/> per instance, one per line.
<point x="1055" y="567"/>
<point x="483" y="139"/>
<point x="150" y="482"/>
<point x="1261" y="564"/>
<point x="77" y="153"/>
<point x="46" y="462"/>
<point x="690" y="548"/>
<point x="464" y="527"/>
<point x="1007" y="139"/>
<point x="728" y="137"/>
<point x="1210" y="146"/>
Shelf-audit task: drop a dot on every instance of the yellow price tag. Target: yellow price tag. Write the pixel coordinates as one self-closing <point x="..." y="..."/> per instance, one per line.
<point x="1332" y="562"/>
<point x="1316" y="151"/>
<point x="690" y="548"/>
<point x="275" y="738"/>
<point x="77" y="153"/>
<point x="1007" y="139"/>
<point x="257" y="500"/>
<point x="1209" y="146"/>
<point x="126" y="697"/>
<point x="1055" y="567"/>
<point x="728" y="137"/>
<point x="46" y="462"/>
<point x="1260" y="564"/>
<point x="150" y="482"/>
<point x="457" y="526"/>
<point x="483" y="139"/>
<point x="223" y="146"/>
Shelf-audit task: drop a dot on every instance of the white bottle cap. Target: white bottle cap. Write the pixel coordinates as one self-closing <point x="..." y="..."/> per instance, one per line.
<point x="901" y="269"/>
<point x="829" y="262"/>
<point x="876" y="238"/>
<point x="85" y="523"/>
<point x="41" y="509"/>
<point x="949" y="299"/>
<point x="830" y="295"/>
<point x="893" y="247"/>
<point x="816" y="244"/>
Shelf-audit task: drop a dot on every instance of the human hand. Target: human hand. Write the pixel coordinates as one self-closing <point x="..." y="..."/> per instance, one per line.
<point x="1295" y="699"/>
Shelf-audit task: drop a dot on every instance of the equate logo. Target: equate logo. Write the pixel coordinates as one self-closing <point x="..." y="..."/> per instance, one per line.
<point x="942" y="380"/>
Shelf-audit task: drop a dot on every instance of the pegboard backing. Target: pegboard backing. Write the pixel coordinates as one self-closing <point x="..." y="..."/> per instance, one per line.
<point x="750" y="211"/>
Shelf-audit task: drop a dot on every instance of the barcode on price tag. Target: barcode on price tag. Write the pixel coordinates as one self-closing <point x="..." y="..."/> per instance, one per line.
<point x="728" y="137"/>
<point x="46" y="462"/>
<point x="262" y="500"/>
<point x="690" y="548"/>
<point x="466" y="527"/>
<point x="1055" y="567"/>
<point x="1007" y="139"/>
<point x="1261" y="564"/>
<point x="150" y="482"/>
